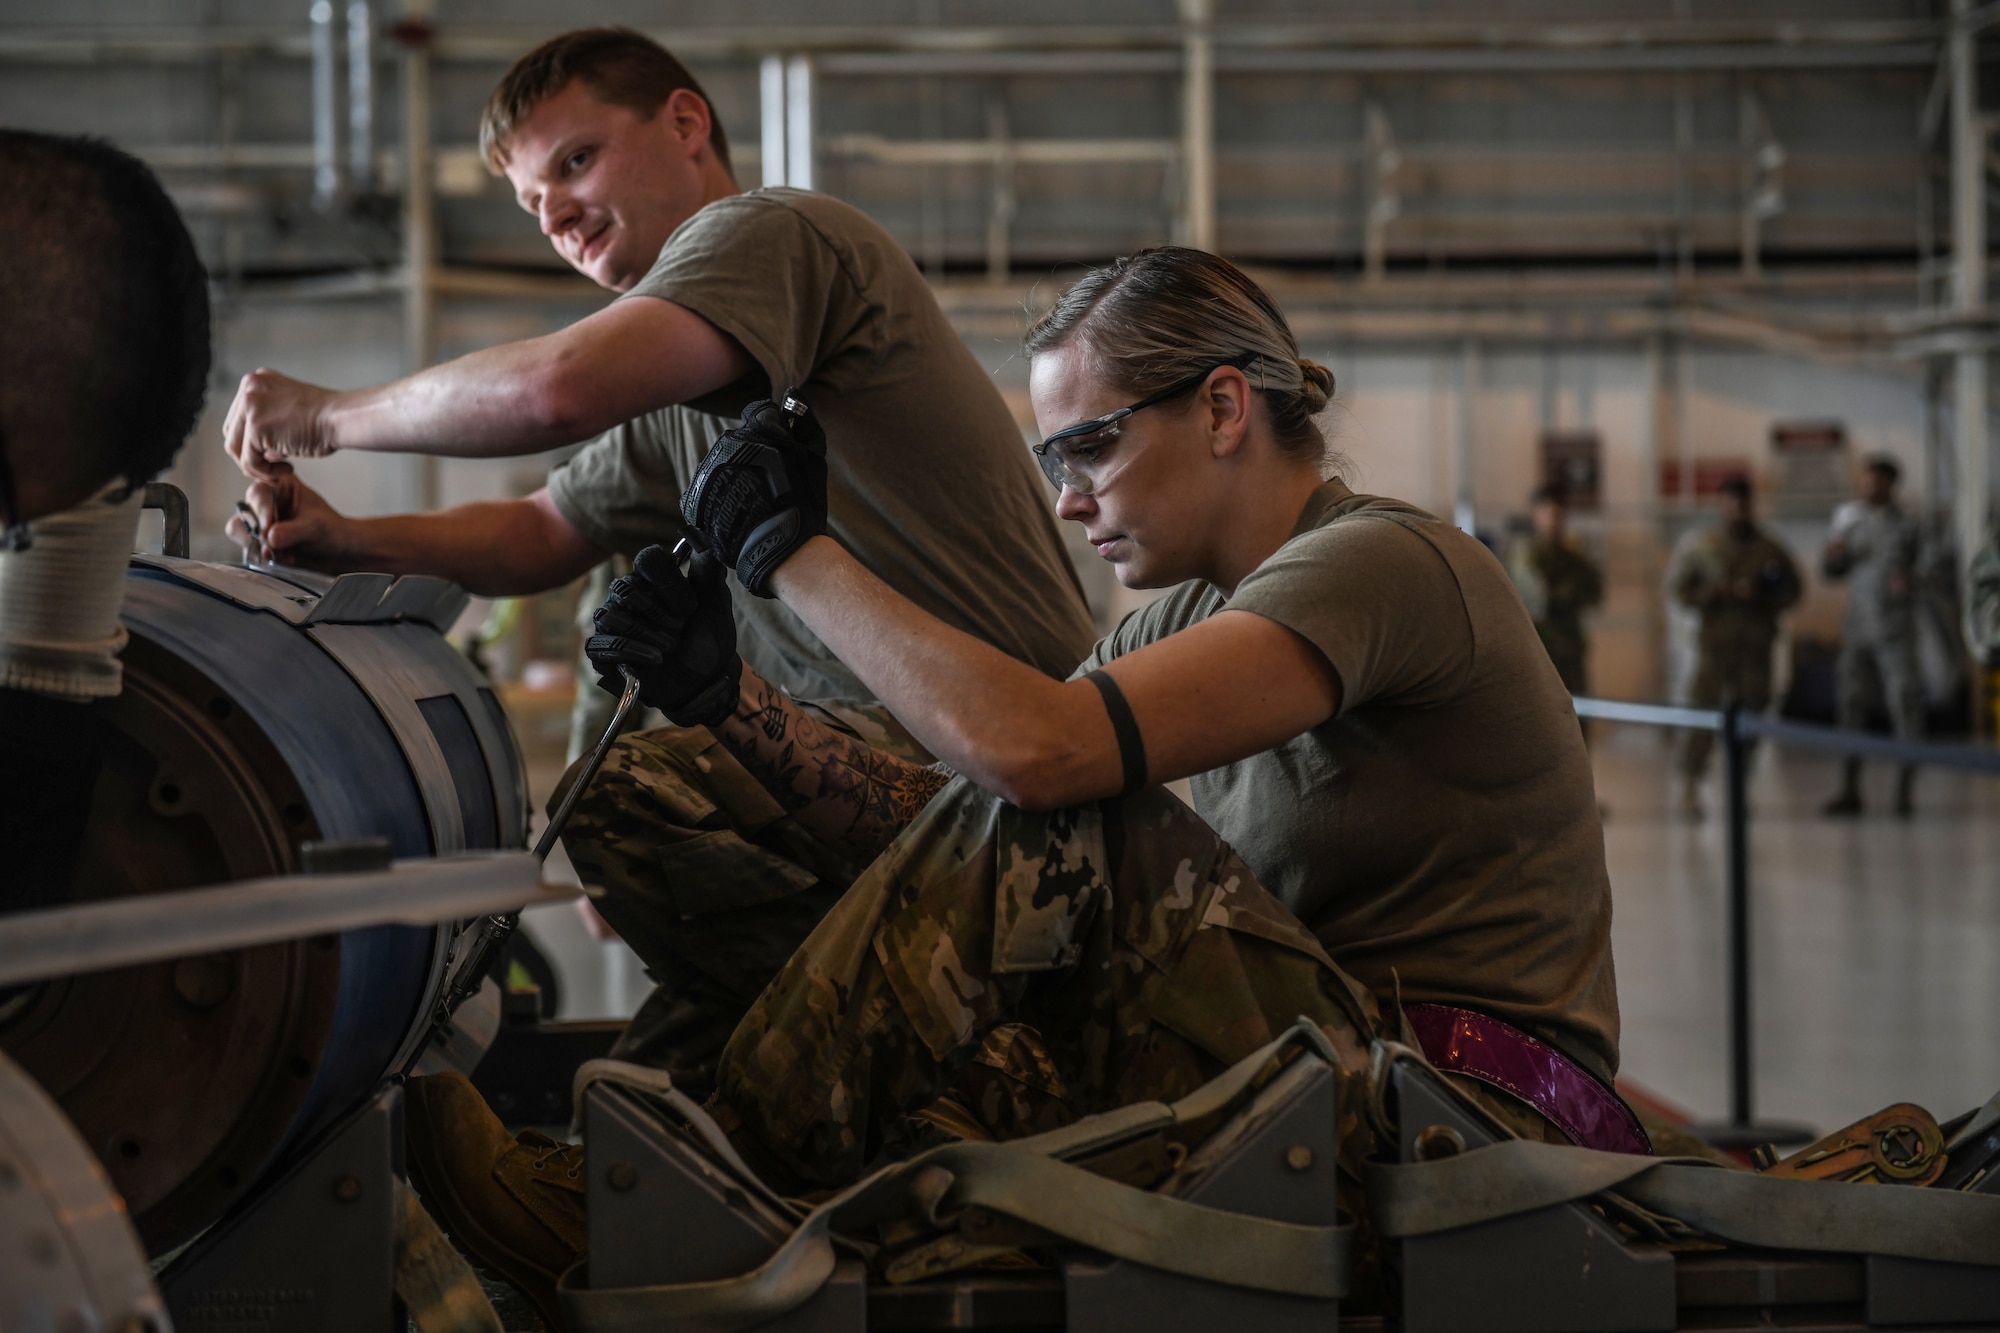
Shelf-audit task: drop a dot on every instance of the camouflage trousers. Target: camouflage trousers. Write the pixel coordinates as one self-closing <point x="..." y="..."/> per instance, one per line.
<point x="1132" y="935"/>
<point x="1883" y="671"/>
<point x="707" y="877"/>
<point x="1132" y="940"/>
<point x="1719" y="679"/>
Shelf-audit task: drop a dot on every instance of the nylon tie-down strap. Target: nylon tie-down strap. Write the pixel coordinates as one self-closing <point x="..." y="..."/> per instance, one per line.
<point x="1518" y="1176"/>
<point x="1028" y="1180"/>
<point x="436" y="1283"/>
<point x="1024" y="1180"/>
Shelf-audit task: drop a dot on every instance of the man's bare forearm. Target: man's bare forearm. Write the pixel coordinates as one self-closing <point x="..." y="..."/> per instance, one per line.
<point x="507" y="548"/>
<point x="854" y="796"/>
<point x="494" y="403"/>
<point x="541" y="393"/>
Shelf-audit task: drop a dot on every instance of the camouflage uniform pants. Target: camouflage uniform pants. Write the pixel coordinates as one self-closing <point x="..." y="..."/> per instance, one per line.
<point x="1886" y="671"/>
<point x="707" y="877"/>
<point x="1719" y="679"/>
<point x="1132" y="939"/>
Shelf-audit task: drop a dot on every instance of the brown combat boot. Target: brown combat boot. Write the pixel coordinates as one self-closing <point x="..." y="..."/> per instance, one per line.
<point x="514" y="1205"/>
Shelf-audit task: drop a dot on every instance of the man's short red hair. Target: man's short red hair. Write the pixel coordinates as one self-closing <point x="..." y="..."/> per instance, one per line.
<point x="619" y="66"/>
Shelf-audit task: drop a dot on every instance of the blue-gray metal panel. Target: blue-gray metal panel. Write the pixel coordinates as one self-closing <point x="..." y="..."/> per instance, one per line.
<point x="394" y="679"/>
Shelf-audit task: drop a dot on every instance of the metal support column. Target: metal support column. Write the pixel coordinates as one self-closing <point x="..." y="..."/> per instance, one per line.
<point x="1658" y="437"/>
<point x="1198" y="125"/>
<point x="1548" y="403"/>
<point x="419" y="217"/>
<point x="1763" y="182"/>
<point x="361" y="96"/>
<point x="329" y="181"/>
<point x="771" y="103"/>
<point x="1749" y="244"/>
<point x="1385" y="199"/>
<point x="799" y="133"/>
<point x="1464" y="511"/>
<point x="1000" y="216"/>
<point x="1968" y="236"/>
<point x="1652" y="449"/>
<point x="1680" y="393"/>
<point x="1683" y="177"/>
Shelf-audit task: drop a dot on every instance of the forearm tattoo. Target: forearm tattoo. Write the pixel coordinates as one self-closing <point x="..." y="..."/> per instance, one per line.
<point x="843" y="789"/>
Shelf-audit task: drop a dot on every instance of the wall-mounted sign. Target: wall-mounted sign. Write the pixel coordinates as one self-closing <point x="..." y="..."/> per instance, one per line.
<point x="1811" y="471"/>
<point x="1709" y="474"/>
<point x="1575" y="460"/>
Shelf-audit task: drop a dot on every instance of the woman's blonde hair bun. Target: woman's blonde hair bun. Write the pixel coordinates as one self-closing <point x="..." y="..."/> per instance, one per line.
<point x="1316" y="391"/>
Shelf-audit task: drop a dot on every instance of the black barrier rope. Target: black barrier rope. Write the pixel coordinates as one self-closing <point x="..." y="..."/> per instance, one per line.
<point x="1737" y="729"/>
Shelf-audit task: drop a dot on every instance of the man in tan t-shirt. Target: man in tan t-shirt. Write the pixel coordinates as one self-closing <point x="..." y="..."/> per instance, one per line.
<point x="749" y="295"/>
<point x="725" y="297"/>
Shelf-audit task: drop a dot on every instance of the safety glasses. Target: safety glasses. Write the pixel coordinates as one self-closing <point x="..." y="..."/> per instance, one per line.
<point x="1075" y="455"/>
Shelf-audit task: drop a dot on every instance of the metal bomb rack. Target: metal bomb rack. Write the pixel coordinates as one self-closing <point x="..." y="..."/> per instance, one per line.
<point x="665" y="1214"/>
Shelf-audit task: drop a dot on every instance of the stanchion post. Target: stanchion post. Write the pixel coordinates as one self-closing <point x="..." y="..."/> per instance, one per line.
<point x="1735" y="768"/>
<point x="1741" y="1131"/>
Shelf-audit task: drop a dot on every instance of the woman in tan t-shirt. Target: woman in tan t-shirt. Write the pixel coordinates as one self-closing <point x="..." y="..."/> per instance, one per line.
<point x="1368" y="717"/>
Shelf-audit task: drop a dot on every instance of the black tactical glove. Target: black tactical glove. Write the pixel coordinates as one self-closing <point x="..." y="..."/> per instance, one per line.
<point x="675" y="632"/>
<point x="760" y="492"/>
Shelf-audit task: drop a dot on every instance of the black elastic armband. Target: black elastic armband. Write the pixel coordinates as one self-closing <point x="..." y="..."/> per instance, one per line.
<point x="1131" y="746"/>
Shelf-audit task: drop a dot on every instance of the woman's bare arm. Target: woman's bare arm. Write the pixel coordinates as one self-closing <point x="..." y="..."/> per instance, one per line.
<point x="1228" y="688"/>
<point x="850" y="794"/>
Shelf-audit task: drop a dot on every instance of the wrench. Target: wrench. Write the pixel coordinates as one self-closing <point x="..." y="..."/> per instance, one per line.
<point x="492" y="933"/>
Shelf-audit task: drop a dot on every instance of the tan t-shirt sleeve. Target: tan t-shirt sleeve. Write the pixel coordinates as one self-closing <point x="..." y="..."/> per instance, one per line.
<point x="1379" y="601"/>
<point x="621" y="490"/>
<point x="757" y="269"/>
<point x="1186" y="605"/>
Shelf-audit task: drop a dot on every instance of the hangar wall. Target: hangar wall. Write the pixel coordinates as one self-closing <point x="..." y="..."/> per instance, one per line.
<point x="1673" y="221"/>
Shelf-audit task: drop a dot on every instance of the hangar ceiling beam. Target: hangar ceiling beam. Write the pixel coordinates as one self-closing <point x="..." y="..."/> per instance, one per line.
<point x="1968" y="287"/>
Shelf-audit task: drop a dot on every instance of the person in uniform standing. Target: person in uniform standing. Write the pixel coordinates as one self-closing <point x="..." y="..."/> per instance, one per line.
<point x="724" y="297"/>
<point x="1874" y="546"/>
<point x="1558" y="582"/>
<point x="1982" y="603"/>
<point x="1738" y="579"/>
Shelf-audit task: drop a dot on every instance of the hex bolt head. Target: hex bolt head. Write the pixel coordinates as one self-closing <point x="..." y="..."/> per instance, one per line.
<point x="346" y="1188"/>
<point x="1299" y="1157"/>
<point x="1437" y="1142"/>
<point x="206" y="981"/>
<point x="621" y="1176"/>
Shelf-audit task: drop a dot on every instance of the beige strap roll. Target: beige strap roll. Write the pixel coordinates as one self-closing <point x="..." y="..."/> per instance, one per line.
<point x="1518" y="1176"/>
<point x="59" y="599"/>
<point x="434" y="1280"/>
